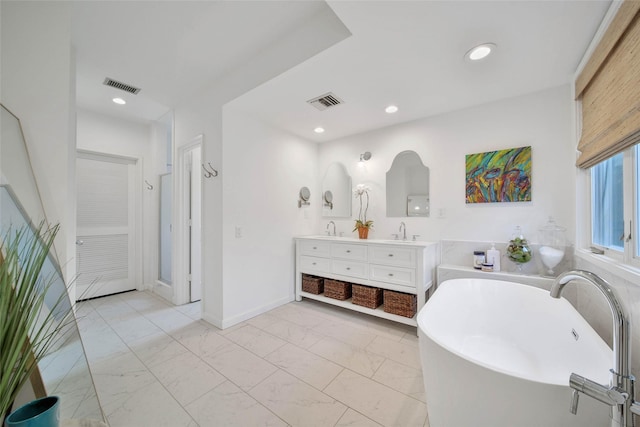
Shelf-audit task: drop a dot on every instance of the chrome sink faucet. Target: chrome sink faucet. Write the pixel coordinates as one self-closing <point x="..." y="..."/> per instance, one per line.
<point x="334" y="228"/>
<point x="620" y="393"/>
<point x="403" y="228"/>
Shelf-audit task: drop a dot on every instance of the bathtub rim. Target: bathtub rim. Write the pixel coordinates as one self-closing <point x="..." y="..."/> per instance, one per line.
<point x="420" y="320"/>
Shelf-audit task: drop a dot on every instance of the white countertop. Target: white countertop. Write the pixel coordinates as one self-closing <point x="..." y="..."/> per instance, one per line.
<point x="367" y="241"/>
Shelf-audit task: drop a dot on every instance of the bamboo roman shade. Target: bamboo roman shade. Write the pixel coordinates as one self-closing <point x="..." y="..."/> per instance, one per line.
<point x="609" y="87"/>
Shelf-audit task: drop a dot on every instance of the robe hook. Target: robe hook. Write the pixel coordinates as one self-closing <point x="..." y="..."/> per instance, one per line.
<point x="210" y="171"/>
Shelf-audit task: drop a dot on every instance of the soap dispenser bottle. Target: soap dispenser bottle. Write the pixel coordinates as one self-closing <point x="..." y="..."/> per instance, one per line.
<point x="493" y="256"/>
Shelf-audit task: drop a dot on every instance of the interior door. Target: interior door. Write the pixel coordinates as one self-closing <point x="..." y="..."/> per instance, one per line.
<point x="195" y="224"/>
<point x="105" y="248"/>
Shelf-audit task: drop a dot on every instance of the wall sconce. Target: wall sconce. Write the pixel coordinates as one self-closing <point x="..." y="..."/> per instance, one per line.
<point x="365" y="156"/>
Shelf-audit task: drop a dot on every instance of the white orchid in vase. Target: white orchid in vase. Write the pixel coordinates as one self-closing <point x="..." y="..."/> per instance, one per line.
<point x="362" y="191"/>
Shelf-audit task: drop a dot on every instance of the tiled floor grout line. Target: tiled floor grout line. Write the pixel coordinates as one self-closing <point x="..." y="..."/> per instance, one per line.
<point x="283" y="315"/>
<point x="133" y="353"/>
<point x="214" y="329"/>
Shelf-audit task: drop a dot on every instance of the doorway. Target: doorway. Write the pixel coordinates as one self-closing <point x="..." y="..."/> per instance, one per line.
<point x="106" y="224"/>
<point x="190" y="212"/>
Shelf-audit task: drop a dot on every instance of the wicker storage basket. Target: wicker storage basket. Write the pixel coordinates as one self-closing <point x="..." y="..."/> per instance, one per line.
<point x="312" y="284"/>
<point x="400" y="303"/>
<point x="367" y="296"/>
<point x="337" y="289"/>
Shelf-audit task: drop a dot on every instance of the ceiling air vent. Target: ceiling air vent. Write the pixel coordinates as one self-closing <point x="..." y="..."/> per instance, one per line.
<point x="325" y="101"/>
<point x="122" y="86"/>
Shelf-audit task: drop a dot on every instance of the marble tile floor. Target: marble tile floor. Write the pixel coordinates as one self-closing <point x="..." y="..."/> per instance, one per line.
<point x="302" y="364"/>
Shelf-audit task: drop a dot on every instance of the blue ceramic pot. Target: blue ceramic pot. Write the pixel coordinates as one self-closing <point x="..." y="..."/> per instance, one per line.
<point x="43" y="412"/>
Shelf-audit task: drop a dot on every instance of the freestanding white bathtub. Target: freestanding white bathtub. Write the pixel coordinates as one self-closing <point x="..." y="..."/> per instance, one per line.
<point x="499" y="354"/>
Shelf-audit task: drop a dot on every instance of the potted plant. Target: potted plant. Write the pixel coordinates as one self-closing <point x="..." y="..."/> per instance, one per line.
<point x="29" y="325"/>
<point x="362" y="224"/>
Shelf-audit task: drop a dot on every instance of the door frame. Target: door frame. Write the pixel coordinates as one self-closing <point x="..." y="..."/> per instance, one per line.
<point x="181" y="242"/>
<point x="136" y="187"/>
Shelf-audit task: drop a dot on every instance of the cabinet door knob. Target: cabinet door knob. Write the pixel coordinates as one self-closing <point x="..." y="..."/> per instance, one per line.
<point x="348" y="251"/>
<point x="313" y="263"/>
<point x="390" y="274"/>
<point x="390" y="254"/>
<point x="348" y="268"/>
<point x="315" y="247"/>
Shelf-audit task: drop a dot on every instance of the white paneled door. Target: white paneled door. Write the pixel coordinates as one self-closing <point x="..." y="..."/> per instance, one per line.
<point x="105" y="244"/>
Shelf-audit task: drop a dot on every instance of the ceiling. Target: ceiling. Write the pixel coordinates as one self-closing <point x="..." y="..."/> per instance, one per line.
<point x="410" y="54"/>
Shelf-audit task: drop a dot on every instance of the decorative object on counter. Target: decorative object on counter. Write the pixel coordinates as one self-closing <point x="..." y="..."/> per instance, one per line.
<point x="518" y="250"/>
<point x="304" y="196"/>
<point x="552" y="245"/>
<point x="478" y="259"/>
<point x="44" y="412"/>
<point x="493" y="257"/>
<point x="362" y="224"/>
<point x="30" y="315"/>
<point x="499" y="176"/>
<point x="487" y="266"/>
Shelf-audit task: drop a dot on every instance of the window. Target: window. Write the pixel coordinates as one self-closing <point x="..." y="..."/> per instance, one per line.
<point x="615" y="196"/>
<point x="607" y="208"/>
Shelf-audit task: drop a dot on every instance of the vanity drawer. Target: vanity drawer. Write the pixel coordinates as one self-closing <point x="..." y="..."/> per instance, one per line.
<point x="396" y="275"/>
<point x="315" y="264"/>
<point x="348" y="268"/>
<point x="391" y="255"/>
<point x="314" y="248"/>
<point x="347" y="251"/>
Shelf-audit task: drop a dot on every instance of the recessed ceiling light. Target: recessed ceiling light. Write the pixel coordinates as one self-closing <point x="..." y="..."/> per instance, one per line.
<point x="119" y="101"/>
<point x="480" y="52"/>
<point x="391" y="109"/>
<point x="318" y="130"/>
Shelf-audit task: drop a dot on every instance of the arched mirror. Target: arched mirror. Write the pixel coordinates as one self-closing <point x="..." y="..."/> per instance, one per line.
<point x="408" y="186"/>
<point x="336" y="192"/>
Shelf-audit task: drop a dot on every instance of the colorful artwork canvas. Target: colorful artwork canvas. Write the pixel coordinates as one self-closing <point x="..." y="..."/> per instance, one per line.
<point x="499" y="176"/>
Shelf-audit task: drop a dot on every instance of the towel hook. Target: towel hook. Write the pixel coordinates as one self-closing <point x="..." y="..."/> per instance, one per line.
<point x="149" y="186"/>
<point x="209" y="172"/>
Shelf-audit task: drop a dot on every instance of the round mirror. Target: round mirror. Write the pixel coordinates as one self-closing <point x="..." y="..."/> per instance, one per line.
<point x="305" y="194"/>
<point x="336" y="192"/>
<point x="328" y="199"/>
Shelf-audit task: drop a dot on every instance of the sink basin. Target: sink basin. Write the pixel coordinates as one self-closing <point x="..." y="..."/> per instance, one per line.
<point x="399" y="241"/>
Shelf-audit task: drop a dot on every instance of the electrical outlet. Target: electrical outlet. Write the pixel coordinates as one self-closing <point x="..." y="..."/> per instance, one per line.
<point x="238" y="232"/>
<point x="441" y="212"/>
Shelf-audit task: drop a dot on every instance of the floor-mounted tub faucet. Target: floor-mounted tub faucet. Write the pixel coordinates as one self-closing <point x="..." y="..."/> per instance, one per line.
<point x="403" y="228"/>
<point x="334" y="228"/>
<point x="620" y="393"/>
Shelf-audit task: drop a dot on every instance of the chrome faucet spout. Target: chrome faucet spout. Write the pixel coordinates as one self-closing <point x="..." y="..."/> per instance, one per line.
<point x="334" y="228"/>
<point x="620" y="393"/>
<point x="403" y="228"/>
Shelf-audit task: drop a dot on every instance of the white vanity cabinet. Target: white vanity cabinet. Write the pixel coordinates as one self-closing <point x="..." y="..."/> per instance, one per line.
<point x="407" y="267"/>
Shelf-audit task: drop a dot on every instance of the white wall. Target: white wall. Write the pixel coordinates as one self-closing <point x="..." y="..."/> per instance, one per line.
<point x="541" y="120"/>
<point x="202" y="114"/>
<point x="264" y="171"/>
<point x="108" y="135"/>
<point x="38" y="85"/>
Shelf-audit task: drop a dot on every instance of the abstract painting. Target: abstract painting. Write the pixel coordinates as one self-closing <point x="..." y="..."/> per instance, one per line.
<point x="499" y="176"/>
